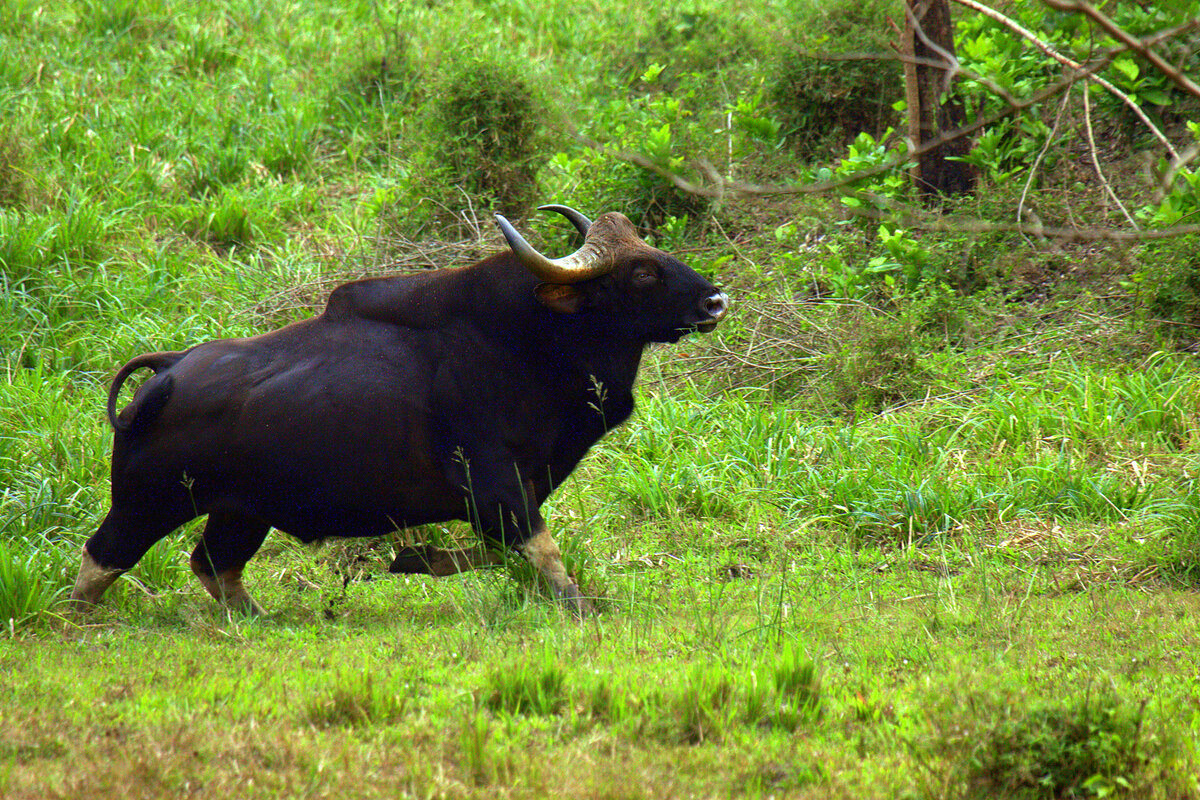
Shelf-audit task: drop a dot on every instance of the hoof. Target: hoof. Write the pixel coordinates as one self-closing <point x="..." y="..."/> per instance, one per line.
<point x="580" y="605"/>
<point x="412" y="561"/>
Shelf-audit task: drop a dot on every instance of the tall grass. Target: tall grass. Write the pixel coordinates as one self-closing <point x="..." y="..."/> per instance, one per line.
<point x="1077" y="443"/>
<point x="32" y="581"/>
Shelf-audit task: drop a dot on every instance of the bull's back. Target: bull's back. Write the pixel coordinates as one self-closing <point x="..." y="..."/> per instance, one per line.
<point x="315" y="428"/>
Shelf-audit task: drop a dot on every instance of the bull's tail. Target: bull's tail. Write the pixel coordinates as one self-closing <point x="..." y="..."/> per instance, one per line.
<point x="152" y="403"/>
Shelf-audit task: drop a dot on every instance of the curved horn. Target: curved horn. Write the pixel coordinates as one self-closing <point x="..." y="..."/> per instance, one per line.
<point x="589" y="261"/>
<point x="580" y="222"/>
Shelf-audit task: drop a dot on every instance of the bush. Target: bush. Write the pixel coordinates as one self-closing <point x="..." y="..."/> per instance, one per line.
<point x="1167" y="286"/>
<point x="489" y="125"/>
<point x="691" y="40"/>
<point x="876" y="364"/>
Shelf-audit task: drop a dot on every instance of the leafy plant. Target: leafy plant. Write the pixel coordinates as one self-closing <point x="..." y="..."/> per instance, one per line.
<point x="873" y="171"/>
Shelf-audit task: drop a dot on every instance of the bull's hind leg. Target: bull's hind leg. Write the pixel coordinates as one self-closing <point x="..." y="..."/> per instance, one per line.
<point x="229" y="541"/>
<point x="119" y="543"/>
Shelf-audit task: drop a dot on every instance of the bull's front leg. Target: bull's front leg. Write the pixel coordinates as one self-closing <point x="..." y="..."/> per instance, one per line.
<point x="504" y="513"/>
<point x="542" y="551"/>
<point x="517" y="521"/>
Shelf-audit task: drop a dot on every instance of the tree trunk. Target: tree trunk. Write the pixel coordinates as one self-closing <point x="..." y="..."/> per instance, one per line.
<point x="929" y="40"/>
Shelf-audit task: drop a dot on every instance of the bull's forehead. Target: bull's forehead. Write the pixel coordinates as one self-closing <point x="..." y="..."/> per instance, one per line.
<point x="615" y="235"/>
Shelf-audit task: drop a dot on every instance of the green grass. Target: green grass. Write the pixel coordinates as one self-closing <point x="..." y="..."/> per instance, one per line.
<point x="943" y="546"/>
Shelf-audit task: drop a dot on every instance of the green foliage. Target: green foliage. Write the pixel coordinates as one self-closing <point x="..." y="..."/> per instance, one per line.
<point x="1180" y="203"/>
<point x="223" y="221"/>
<point x="533" y="686"/>
<point x="654" y="124"/>
<point x="1091" y="748"/>
<point x="1167" y="285"/>
<point x="357" y="699"/>
<point x="824" y="101"/>
<point x="881" y="167"/>
<point x="691" y="39"/>
<point x="943" y="491"/>
<point x="31" y="581"/>
<point x="1007" y="149"/>
<point x="703" y="706"/>
<point x="989" y="49"/>
<point x="14" y="178"/>
<point x="876" y="364"/>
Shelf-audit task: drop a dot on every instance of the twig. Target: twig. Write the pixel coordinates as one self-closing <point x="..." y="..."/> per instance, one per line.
<point x="1041" y="155"/>
<point x="1087" y="121"/>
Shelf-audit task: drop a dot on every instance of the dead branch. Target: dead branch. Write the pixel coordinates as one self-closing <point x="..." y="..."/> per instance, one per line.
<point x="721" y="186"/>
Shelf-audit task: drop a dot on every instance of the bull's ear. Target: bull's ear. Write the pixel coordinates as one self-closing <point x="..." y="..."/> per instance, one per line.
<point x="560" y="297"/>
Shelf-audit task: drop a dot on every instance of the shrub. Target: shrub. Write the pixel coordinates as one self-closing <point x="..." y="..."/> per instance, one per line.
<point x="691" y="40"/>
<point x="392" y="78"/>
<point x="489" y="124"/>
<point x="659" y="125"/>
<point x="876" y="365"/>
<point x="1167" y="286"/>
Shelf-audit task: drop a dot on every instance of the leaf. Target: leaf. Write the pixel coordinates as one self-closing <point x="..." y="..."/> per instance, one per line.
<point x="652" y="72"/>
<point x="1128" y="66"/>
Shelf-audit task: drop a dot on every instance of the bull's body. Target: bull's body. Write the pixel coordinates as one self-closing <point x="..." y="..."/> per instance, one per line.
<point x="457" y="394"/>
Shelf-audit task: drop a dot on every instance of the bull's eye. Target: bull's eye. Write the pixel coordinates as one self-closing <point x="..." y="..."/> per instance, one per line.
<point x="644" y="276"/>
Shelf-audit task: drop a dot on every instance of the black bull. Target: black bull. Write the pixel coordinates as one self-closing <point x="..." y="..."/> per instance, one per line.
<point x="465" y="393"/>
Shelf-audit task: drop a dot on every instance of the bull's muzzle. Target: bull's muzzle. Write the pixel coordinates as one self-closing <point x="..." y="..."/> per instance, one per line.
<point x="715" y="307"/>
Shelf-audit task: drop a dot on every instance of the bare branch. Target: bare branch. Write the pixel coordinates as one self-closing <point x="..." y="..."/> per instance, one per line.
<point x="949" y="62"/>
<point x="709" y="182"/>
<point x="914" y="219"/>
<point x="1037" y="162"/>
<point x="1087" y="121"/>
<point x="722" y="186"/>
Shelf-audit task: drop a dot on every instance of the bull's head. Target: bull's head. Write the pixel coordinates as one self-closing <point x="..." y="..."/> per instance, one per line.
<point x="615" y="274"/>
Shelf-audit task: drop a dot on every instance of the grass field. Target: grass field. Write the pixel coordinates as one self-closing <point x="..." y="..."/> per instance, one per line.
<point x="920" y="520"/>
